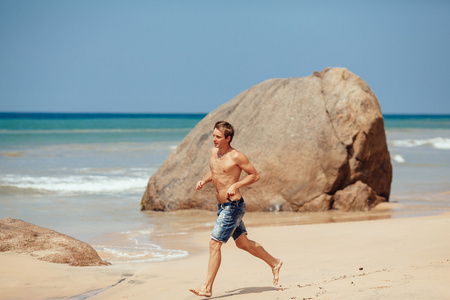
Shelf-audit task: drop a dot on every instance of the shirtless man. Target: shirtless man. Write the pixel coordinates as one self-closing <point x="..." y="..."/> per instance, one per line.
<point x="226" y="165"/>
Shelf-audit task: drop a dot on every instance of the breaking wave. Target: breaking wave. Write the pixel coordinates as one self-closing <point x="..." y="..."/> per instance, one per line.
<point x="437" y="142"/>
<point x="110" y="182"/>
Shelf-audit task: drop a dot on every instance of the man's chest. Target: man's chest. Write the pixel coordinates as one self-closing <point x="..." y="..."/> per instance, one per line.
<point x="224" y="165"/>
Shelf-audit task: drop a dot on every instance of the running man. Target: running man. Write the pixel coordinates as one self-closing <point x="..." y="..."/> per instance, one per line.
<point x="226" y="165"/>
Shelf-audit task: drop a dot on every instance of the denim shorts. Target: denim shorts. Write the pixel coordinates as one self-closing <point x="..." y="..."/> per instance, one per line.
<point x="229" y="222"/>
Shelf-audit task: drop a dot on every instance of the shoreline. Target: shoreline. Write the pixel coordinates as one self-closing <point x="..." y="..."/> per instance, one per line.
<point x="176" y="238"/>
<point x="382" y="258"/>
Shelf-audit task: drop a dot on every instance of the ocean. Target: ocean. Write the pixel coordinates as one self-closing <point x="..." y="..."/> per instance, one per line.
<point x="84" y="175"/>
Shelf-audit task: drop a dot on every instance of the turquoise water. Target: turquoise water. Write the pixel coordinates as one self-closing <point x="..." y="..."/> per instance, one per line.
<point x="84" y="174"/>
<point x="417" y="121"/>
<point x="50" y="129"/>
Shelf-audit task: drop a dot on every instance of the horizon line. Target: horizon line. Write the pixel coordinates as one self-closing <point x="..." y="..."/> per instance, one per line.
<point x="180" y="113"/>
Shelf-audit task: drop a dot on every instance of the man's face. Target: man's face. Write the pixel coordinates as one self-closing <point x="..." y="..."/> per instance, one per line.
<point x="219" y="138"/>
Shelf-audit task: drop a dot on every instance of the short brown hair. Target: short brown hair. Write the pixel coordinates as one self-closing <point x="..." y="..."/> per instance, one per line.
<point x="226" y="128"/>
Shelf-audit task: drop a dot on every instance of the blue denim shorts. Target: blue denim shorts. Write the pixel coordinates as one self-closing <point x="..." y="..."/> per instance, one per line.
<point x="229" y="222"/>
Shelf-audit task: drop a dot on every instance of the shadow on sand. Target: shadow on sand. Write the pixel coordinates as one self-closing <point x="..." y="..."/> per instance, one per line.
<point x="247" y="290"/>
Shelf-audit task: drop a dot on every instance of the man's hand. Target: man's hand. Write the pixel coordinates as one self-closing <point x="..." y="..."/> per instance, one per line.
<point x="200" y="184"/>
<point x="205" y="180"/>
<point x="231" y="191"/>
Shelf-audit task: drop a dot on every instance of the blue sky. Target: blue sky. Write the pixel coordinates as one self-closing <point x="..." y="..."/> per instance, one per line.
<point x="192" y="56"/>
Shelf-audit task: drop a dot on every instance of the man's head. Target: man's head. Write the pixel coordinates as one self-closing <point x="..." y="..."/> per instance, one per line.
<point x="226" y="128"/>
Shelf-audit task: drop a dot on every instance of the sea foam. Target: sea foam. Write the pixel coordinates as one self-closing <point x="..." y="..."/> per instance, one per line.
<point x="148" y="253"/>
<point x="437" y="142"/>
<point x="136" y="248"/>
<point x="77" y="183"/>
<point x="398" y="158"/>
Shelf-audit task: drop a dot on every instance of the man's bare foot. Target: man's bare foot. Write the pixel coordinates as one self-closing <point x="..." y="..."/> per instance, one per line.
<point x="276" y="272"/>
<point x="202" y="292"/>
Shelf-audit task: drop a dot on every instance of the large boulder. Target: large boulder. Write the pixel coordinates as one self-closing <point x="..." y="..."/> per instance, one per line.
<point x="45" y="244"/>
<point x="308" y="138"/>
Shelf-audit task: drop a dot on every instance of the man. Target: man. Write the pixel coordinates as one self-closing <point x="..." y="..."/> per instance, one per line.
<point x="226" y="165"/>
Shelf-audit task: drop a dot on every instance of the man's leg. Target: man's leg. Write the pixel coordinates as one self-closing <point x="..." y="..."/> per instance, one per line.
<point x="257" y="250"/>
<point x="215" y="257"/>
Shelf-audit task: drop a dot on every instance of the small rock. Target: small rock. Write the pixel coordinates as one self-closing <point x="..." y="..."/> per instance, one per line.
<point x="45" y="244"/>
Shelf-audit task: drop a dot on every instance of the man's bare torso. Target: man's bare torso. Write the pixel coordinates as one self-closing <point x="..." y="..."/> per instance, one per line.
<point x="225" y="172"/>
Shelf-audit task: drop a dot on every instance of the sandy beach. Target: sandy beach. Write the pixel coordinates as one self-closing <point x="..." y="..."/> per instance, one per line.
<point x="400" y="258"/>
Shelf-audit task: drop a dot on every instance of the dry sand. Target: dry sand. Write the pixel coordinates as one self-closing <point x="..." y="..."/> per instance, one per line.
<point x="403" y="258"/>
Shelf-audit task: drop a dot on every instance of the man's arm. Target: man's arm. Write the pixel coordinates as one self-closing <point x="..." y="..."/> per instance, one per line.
<point x="252" y="175"/>
<point x="205" y="180"/>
